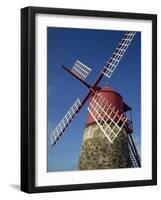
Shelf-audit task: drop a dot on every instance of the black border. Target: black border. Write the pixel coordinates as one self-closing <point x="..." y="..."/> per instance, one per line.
<point x="28" y="98"/>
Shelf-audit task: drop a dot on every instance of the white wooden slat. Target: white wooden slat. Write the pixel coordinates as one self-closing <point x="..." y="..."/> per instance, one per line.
<point x="117" y="60"/>
<point x="78" y="73"/>
<point x="118" y="49"/>
<point x="118" y="54"/>
<point x="104" y="115"/>
<point x="123" y="44"/>
<point x="55" y="135"/>
<point x="85" y="66"/>
<point x="80" y="70"/>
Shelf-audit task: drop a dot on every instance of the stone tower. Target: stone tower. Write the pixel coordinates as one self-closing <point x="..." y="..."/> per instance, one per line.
<point x="96" y="151"/>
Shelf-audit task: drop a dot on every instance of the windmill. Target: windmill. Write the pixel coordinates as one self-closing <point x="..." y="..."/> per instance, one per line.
<point x="107" y="141"/>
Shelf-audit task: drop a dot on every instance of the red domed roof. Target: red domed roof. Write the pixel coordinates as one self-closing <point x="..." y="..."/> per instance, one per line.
<point x="107" y="89"/>
<point x="109" y="95"/>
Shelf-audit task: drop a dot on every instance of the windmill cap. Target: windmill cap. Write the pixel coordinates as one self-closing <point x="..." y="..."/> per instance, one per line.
<point x="107" y="97"/>
<point x="108" y="89"/>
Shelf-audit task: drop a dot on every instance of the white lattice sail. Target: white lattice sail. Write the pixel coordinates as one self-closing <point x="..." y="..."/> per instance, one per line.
<point x="108" y="119"/>
<point x="80" y="70"/>
<point x="55" y="135"/>
<point x="118" y="54"/>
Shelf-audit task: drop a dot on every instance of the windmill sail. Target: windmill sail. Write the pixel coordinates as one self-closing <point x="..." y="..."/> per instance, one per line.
<point x="118" y="54"/>
<point x="80" y="70"/>
<point x="110" y="121"/>
<point x="55" y="135"/>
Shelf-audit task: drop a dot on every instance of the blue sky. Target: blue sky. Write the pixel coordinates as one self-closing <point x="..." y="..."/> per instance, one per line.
<point x="93" y="48"/>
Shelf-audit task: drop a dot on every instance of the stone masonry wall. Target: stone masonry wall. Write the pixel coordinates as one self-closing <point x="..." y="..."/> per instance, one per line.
<point x="98" y="153"/>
